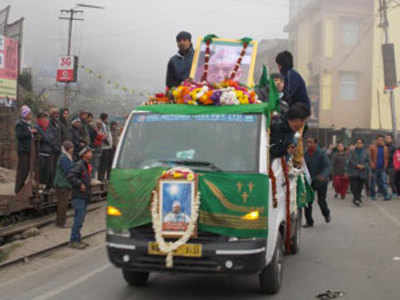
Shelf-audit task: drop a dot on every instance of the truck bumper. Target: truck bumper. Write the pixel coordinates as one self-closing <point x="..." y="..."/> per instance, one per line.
<point x="244" y="257"/>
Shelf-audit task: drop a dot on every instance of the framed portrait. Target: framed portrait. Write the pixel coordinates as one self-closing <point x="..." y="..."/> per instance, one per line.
<point x="223" y="58"/>
<point x="175" y="210"/>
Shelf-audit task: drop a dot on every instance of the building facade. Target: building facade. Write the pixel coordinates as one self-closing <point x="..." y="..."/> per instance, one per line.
<point x="337" y="48"/>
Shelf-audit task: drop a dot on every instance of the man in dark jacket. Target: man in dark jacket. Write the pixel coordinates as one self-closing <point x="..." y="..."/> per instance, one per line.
<point x="319" y="167"/>
<point x="357" y="169"/>
<point x="55" y="128"/>
<point x="283" y="130"/>
<point x="75" y="133"/>
<point x="294" y="86"/>
<point x="180" y="64"/>
<point x="65" y="124"/>
<point x="80" y="177"/>
<point x="379" y="162"/>
<point x="23" y="132"/>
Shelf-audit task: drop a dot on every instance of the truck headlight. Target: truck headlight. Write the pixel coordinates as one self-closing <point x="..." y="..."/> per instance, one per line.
<point x="251" y="216"/>
<point x="113" y="211"/>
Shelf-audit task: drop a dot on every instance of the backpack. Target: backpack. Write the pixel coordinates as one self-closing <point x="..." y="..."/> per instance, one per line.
<point x="396" y="160"/>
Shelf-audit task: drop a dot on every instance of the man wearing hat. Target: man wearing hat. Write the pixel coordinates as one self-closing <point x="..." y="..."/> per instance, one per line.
<point x="80" y="177"/>
<point x="24" y="133"/>
<point x="180" y="64"/>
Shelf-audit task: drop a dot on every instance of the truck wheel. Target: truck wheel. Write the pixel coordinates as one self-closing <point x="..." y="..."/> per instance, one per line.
<point x="295" y="240"/>
<point x="271" y="276"/>
<point x="135" y="278"/>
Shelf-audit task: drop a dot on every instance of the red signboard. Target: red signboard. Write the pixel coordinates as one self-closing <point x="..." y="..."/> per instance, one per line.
<point x="67" y="66"/>
<point x="8" y="69"/>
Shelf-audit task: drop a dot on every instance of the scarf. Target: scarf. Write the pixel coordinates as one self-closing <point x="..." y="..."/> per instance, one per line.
<point x="66" y="153"/>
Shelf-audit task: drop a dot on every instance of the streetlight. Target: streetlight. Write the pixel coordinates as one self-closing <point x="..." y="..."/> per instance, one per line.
<point x="89" y="6"/>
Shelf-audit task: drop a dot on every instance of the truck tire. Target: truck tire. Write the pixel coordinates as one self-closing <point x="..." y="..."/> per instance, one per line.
<point x="134" y="278"/>
<point x="271" y="277"/>
<point x="295" y="240"/>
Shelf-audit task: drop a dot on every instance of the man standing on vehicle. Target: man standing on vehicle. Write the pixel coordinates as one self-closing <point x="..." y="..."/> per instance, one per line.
<point x="80" y="177"/>
<point x="180" y="64"/>
<point x="319" y="166"/>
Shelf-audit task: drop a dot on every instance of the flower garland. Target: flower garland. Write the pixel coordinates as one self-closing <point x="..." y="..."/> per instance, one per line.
<point x="245" y="43"/>
<point x="208" y="39"/>
<point x="170" y="247"/>
<point x="288" y="220"/>
<point x="274" y="192"/>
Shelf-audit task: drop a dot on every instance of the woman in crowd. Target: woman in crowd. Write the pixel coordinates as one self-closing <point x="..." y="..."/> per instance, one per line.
<point x="340" y="178"/>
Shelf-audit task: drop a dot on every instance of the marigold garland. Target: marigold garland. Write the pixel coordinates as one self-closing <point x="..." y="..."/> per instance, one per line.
<point x="274" y="192"/>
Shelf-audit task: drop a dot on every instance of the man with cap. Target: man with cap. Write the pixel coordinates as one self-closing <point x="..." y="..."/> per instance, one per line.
<point x="24" y="133"/>
<point x="76" y="139"/>
<point x="294" y="86"/>
<point x="80" y="177"/>
<point x="180" y="64"/>
<point x="176" y="215"/>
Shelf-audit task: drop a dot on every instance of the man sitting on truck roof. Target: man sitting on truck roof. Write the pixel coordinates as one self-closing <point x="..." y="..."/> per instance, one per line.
<point x="284" y="129"/>
<point x="180" y="64"/>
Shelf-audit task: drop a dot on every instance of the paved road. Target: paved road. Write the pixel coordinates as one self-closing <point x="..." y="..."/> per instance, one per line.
<point x="356" y="253"/>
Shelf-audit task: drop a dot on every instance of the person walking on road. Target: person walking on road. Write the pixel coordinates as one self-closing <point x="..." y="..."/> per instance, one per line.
<point x="62" y="185"/>
<point x="396" y="167"/>
<point x="24" y="133"/>
<point x="319" y="167"/>
<point x="390" y="170"/>
<point x="340" y="178"/>
<point x="80" y="178"/>
<point x="357" y="169"/>
<point x="179" y="65"/>
<point x="379" y="161"/>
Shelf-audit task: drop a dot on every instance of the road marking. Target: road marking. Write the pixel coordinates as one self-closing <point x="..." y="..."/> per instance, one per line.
<point x="388" y="215"/>
<point x="64" y="262"/>
<point x="81" y="279"/>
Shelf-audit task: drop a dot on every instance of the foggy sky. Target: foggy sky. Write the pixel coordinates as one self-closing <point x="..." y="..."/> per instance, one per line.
<point x="131" y="41"/>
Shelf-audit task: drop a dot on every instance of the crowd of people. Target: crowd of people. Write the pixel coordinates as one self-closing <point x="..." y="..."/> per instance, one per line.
<point x="369" y="167"/>
<point x="72" y="152"/>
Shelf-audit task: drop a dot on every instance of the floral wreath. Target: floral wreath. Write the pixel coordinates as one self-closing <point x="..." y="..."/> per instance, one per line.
<point x="170" y="247"/>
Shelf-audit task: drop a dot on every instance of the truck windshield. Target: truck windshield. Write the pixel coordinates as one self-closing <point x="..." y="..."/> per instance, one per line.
<point x="226" y="142"/>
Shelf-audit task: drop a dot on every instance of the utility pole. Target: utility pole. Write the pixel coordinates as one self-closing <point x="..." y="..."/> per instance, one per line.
<point x="384" y="24"/>
<point x="71" y="18"/>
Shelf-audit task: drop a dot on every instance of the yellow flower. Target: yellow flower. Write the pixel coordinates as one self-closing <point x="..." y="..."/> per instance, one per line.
<point x="190" y="177"/>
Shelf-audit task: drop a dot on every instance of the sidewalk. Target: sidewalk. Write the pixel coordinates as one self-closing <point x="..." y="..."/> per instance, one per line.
<point x="51" y="236"/>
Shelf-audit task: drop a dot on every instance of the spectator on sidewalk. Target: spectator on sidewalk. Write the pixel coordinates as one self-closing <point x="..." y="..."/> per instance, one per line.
<point x="84" y="131"/>
<point x="56" y="135"/>
<point x="24" y="133"/>
<point x="106" y="150"/>
<point x="319" y="167"/>
<point x="45" y="150"/>
<point x="75" y="133"/>
<point x="340" y="178"/>
<point x="358" y="170"/>
<point x="98" y="142"/>
<point x="80" y="178"/>
<point x="62" y="185"/>
<point x="379" y="161"/>
<point x="390" y="170"/>
<point x="65" y="125"/>
<point x="115" y="132"/>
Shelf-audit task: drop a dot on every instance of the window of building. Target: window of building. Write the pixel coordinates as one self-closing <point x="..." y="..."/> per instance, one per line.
<point x="350" y="31"/>
<point x="348" y="86"/>
<point x="317" y="39"/>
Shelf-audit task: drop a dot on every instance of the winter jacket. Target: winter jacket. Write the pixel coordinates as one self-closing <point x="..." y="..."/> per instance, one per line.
<point x="64" y="165"/>
<point x="396" y="160"/>
<point x="65" y="127"/>
<point x="107" y="142"/>
<point x="55" y="128"/>
<point x="358" y="158"/>
<point x="318" y="164"/>
<point x="178" y="69"/>
<point x="280" y="138"/>
<point x="45" y="140"/>
<point x="391" y="150"/>
<point x="373" y="156"/>
<point x="24" y="136"/>
<point x="339" y="162"/>
<point x="75" y="134"/>
<point x="295" y="89"/>
<point x="80" y="173"/>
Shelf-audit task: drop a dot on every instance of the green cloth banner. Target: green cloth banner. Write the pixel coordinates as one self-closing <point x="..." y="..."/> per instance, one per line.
<point x="305" y="193"/>
<point x="225" y="199"/>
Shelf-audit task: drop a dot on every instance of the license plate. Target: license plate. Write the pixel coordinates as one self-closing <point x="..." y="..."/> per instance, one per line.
<point x="187" y="250"/>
